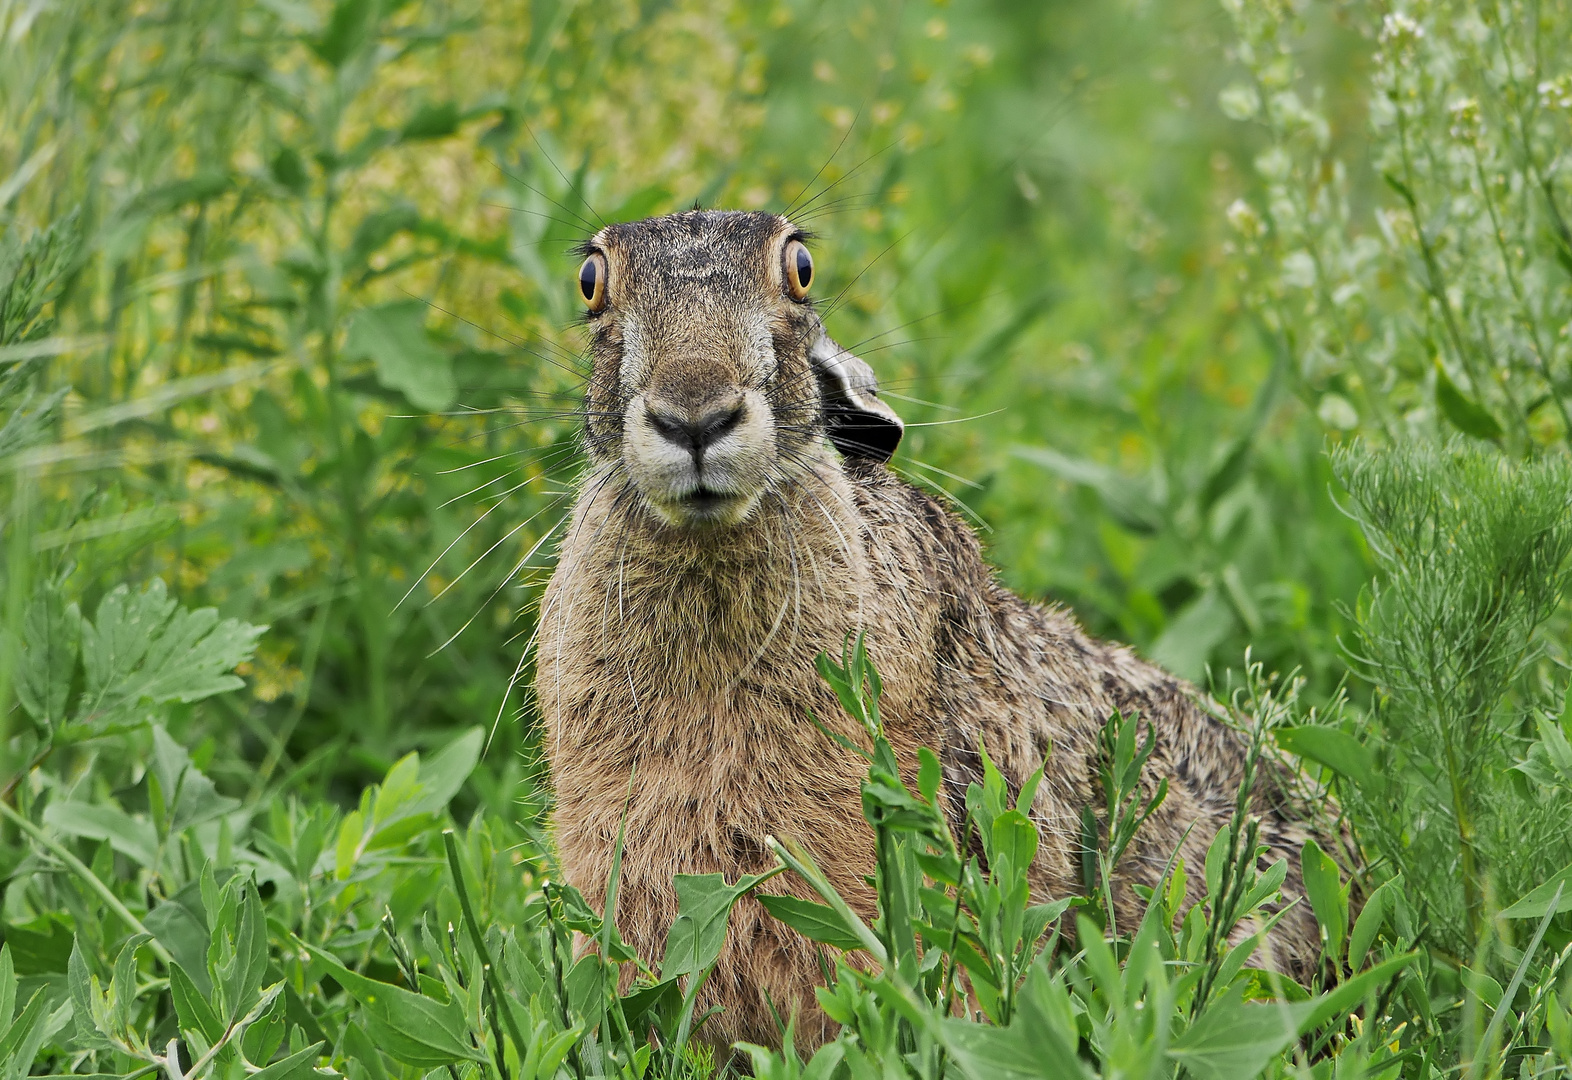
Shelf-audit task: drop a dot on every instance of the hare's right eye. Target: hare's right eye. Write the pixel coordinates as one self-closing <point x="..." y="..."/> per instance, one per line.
<point x="592" y="281"/>
<point x="799" y="270"/>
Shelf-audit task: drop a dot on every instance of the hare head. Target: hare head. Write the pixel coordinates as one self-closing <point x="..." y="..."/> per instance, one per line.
<point x="713" y="380"/>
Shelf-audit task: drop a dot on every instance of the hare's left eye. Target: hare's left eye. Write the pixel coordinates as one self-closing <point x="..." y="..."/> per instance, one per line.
<point x="799" y="270"/>
<point x="592" y="281"/>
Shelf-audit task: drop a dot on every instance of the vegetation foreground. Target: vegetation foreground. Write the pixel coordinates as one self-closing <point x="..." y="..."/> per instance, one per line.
<point x="287" y="422"/>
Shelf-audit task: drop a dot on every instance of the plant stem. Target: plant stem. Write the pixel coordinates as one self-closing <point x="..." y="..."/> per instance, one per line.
<point x="90" y="879"/>
<point x="488" y="969"/>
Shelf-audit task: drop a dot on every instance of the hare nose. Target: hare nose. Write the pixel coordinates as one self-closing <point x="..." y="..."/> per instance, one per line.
<point x="695" y="433"/>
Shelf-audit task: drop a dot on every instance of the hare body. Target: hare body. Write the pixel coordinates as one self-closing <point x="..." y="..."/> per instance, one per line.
<point x="701" y="574"/>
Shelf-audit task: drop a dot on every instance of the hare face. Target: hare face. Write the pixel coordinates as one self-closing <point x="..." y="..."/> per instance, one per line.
<point x="713" y="381"/>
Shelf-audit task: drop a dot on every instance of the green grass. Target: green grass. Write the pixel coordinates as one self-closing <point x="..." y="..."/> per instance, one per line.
<point x="1241" y="328"/>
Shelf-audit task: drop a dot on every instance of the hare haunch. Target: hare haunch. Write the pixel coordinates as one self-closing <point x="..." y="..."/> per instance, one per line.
<point x="735" y="519"/>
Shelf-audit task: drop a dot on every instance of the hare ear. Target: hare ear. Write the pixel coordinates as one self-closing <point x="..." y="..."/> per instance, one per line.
<point x="857" y="422"/>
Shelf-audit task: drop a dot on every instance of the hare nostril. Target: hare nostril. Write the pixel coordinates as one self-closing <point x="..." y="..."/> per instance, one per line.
<point x="694" y="435"/>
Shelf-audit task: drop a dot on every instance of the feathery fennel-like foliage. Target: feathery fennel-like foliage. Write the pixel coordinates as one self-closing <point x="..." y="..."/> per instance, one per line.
<point x="1475" y="555"/>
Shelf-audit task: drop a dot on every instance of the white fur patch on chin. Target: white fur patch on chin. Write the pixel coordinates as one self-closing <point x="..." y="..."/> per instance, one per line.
<point x="689" y="513"/>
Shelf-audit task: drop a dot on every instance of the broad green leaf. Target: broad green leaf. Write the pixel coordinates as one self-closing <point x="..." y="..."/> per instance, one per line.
<point x="7" y="988"/>
<point x="1465" y="414"/>
<point x="122" y="984"/>
<point x="1538" y="901"/>
<point x="348" y="30"/>
<point x="444" y="774"/>
<point x="1328" y="897"/>
<point x="1329" y="747"/>
<point x="191" y="797"/>
<point x="1233" y="1040"/>
<point x="51" y="640"/>
<point x="240" y="976"/>
<point x="1186" y="643"/>
<point x="297" y="1066"/>
<point x="651" y="1000"/>
<point x="144" y="648"/>
<point x="87" y="1007"/>
<point x="1014" y="841"/>
<point x="816" y="922"/>
<point x="585" y="985"/>
<point x="17" y="1032"/>
<point x="433" y="120"/>
<point x="393" y="336"/>
<point x="1020" y="1052"/>
<point x="1368" y="925"/>
<point x="41" y="946"/>
<point x="704" y="903"/>
<point x="1135" y="504"/>
<point x="192" y="1007"/>
<point x="410" y="1028"/>
<point x="1048" y="1025"/>
<point x="180" y="925"/>
<point x="132" y="837"/>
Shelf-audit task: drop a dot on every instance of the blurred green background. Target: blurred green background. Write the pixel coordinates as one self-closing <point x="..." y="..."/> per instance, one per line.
<point x="322" y="357"/>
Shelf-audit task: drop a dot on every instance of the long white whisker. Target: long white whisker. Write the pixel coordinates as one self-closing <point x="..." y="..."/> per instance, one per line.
<point x="456" y="539"/>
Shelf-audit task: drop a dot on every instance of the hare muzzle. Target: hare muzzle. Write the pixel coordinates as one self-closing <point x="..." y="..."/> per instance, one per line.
<point x="700" y="463"/>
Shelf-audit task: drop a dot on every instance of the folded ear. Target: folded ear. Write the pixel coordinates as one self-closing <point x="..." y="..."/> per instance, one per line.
<point x="857" y="422"/>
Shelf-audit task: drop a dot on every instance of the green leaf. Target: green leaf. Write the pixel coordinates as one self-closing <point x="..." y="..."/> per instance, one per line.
<point x="132" y="837"/>
<point x="432" y="121"/>
<point x="180" y="925"/>
<point x="1538" y="901"/>
<point x="348" y="29"/>
<point x="1186" y="643"/>
<point x="1369" y="922"/>
<point x="192" y="1008"/>
<point x="816" y="922"/>
<point x="1336" y="1003"/>
<point x="1233" y="1040"/>
<point x="7" y="988"/>
<point x="240" y="976"/>
<point x="192" y="798"/>
<point x="1132" y="503"/>
<point x="21" y="1028"/>
<point x="41" y="946"/>
<point x="1014" y="841"/>
<point x="1467" y="415"/>
<point x="704" y="903"/>
<point x="985" y="1052"/>
<point x="296" y="1066"/>
<point x="143" y="648"/>
<point x="443" y="775"/>
<point x="1328" y="898"/>
<point x="393" y="336"/>
<point x="85" y="1002"/>
<point x="1331" y="748"/>
<point x="410" y="1028"/>
<point x="51" y="640"/>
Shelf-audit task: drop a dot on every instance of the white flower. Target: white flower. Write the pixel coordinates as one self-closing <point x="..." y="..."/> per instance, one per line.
<point x="1239" y="101"/>
<point x="1557" y="93"/>
<point x="1397" y="28"/>
<point x="1335" y="411"/>
<point x="1244" y="219"/>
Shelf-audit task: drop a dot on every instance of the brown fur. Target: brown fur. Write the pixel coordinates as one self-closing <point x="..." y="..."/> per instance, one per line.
<point x="678" y="653"/>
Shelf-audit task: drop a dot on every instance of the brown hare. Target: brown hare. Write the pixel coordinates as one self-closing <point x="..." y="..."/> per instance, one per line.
<point x="735" y="519"/>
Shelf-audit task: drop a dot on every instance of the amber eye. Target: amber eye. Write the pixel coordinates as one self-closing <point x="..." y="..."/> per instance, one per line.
<point x="799" y="270"/>
<point x="592" y="281"/>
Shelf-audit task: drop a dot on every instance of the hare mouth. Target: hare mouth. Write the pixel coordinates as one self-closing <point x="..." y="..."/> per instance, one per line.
<point x="708" y="504"/>
<point x="704" y="506"/>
